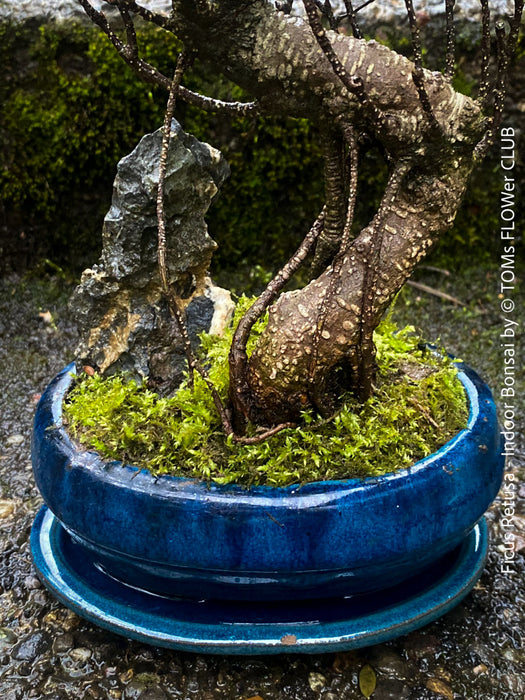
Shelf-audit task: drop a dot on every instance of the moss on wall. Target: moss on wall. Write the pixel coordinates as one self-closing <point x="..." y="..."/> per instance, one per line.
<point x="69" y="109"/>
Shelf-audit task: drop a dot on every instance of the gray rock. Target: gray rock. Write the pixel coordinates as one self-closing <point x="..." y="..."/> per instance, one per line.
<point x="123" y="316"/>
<point x="63" y="643"/>
<point x="387" y="661"/>
<point x="15" y="439"/>
<point x="80" y="654"/>
<point x="28" y="649"/>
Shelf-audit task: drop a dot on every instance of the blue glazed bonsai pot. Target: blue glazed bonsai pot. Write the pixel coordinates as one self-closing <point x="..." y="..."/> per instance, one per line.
<point x="184" y="538"/>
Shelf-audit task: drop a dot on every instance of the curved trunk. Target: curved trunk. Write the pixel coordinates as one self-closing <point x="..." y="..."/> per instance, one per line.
<point x="294" y="360"/>
<point x="344" y="85"/>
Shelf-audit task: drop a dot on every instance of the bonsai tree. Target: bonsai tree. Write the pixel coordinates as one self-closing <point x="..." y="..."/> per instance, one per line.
<point x="309" y="59"/>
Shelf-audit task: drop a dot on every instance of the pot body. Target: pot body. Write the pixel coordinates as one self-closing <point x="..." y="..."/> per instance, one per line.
<point x="185" y="538"/>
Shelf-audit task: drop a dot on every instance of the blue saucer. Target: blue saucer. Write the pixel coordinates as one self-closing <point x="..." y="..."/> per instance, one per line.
<point x="226" y="627"/>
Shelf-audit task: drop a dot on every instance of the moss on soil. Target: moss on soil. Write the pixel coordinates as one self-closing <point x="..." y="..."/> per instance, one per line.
<point x="418" y="405"/>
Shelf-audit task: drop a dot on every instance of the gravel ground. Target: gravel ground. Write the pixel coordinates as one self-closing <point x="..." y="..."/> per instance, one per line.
<point x="475" y="652"/>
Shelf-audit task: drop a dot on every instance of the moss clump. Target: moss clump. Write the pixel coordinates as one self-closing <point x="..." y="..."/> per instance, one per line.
<point x="419" y="405"/>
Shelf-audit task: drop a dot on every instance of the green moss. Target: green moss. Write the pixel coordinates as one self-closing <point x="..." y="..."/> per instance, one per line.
<point x="69" y="109"/>
<point x="405" y="420"/>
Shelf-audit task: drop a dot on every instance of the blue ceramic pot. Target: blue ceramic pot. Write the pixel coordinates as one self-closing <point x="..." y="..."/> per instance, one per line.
<point x="181" y="537"/>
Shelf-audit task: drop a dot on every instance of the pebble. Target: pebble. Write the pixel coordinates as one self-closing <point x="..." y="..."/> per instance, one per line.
<point x="514" y="683"/>
<point x="80" y="654"/>
<point x="480" y="668"/>
<point x="7" y="508"/>
<point x="16" y="439"/>
<point x="63" y="643"/>
<point x="316" y="681"/>
<point x="387" y="661"/>
<point x="436" y="685"/>
<point x="419" y="645"/>
<point x="482" y="652"/>
<point x="133" y="690"/>
<point x="32" y="583"/>
<point x="28" y="649"/>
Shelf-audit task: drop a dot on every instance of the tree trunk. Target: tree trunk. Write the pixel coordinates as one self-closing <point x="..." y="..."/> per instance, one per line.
<point x="328" y="325"/>
<point x="281" y="375"/>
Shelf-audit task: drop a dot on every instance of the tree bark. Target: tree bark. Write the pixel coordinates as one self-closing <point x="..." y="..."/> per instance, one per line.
<point x="279" y="367"/>
<point x="429" y="144"/>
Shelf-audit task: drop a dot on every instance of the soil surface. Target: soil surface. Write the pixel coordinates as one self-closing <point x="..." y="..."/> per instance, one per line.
<point x="476" y="652"/>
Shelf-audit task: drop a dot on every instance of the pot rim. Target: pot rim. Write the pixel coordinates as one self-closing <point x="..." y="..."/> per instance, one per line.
<point x="59" y="387"/>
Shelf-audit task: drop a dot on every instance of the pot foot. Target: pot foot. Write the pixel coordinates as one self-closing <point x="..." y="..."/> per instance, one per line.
<point x="229" y="627"/>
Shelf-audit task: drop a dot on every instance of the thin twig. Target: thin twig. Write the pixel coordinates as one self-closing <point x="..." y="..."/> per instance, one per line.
<point x="432" y="268"/>
<point x="131" y="34"/>
<point x="353" y="83"/>
<point x="238" y="358"/>
<point x="417" y="73"/>
<point x="363" y="5"/>
<point x="450" y="56"/>
<point x="424" y="413"/>
<point x="515" y="24"/>
<point x="161" y="216"/>
<point x="351" y="13"/>
<point x="505" y="52"/>
<point x="485" y="51"/>
<point x="175" y="310"/>
<point x="261" y="437"/>
<point x="501" y="80"/>
<point x="435" y="292"/>
<point x="150" y="74"/>
<point x="153" y="17"/>
<point x="326" y="10"/>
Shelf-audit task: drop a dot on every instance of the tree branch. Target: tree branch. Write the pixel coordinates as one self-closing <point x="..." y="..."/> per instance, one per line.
<point x="285" y="6"/>
<point x="485" y="51"/>
<point x="451" y="39"/>
<point x="505" y="51"/>
<point x="352" y="83"/>
<point x="150" y="74"/>
<point x="326" y="10"/>
<point x="131" y="34"/>
<point x="238" y="359"/>
<point x="515" y="24"/>
<point x="365" y="355"/>
<point x="175" y="310"/>
<point x="153" y="17"/>
<point x="351" y="13"/>
<point x="417" y="73"/>
<point x="330" y="237"/>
